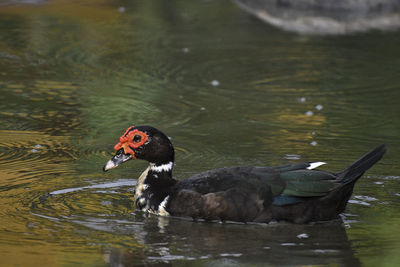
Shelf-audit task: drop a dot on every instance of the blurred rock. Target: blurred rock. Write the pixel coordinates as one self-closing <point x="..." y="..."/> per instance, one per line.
<point x="326" y="16"/>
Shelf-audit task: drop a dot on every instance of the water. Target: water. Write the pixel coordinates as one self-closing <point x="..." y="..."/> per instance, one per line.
<point x="228" y="90"/>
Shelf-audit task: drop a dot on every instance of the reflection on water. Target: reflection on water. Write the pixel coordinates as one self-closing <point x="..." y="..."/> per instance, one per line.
<point x="159" y="239"/>
<point x="310" y="17"/>
<point x="227" y="89"/>
<point x="215" y="244"/>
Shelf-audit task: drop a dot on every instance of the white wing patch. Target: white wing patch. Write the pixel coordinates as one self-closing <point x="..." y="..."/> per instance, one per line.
<point x="314" y="165"/>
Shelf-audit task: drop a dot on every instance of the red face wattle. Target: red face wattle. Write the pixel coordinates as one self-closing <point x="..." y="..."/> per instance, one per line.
<point x="130" y="140"/>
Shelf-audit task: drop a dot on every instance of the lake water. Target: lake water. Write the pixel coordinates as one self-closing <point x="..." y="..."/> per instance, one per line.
<point x="228" y="89"/>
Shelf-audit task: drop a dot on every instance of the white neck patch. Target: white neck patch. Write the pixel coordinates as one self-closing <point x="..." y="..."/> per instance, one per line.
<point x="140" y="185"/>
<point x="162" y="207"/>
<point x="165" y="167"/>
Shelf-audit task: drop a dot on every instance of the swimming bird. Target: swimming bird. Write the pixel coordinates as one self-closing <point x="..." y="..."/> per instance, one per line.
<point x="296" y="193"/>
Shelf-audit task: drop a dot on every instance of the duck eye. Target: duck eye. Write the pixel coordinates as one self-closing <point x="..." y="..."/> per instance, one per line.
<point x="137" y="138"/>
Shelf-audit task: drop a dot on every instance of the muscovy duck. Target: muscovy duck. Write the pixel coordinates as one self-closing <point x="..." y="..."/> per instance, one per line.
<point x="296" y="192"/>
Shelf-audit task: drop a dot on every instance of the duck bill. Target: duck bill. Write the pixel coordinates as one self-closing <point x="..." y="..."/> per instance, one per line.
<point x="119" y="158"/>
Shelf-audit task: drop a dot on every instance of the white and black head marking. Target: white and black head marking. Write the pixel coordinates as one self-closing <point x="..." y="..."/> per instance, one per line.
<point x="148" y="143"/>
<point x="142" y="142"/>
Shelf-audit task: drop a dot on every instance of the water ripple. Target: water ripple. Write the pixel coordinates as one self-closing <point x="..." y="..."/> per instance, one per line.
<point x="95" y="186"/>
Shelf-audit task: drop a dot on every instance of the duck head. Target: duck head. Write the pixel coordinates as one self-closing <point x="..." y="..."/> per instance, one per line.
<point x="142" y="142"/>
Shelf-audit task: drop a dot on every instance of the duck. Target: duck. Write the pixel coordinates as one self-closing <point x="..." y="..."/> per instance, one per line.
<point x="297" y="193"/>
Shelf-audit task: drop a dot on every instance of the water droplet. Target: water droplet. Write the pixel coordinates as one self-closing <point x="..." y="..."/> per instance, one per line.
<point x="363" y="203"/>
<point x="121" y="9"/>
<point x="302" y="236"/>
<point x="185" y="50"/>
<point x="292" y="156"/>
<point x="302" y="99"/>
<point x="365" y="198"/>
<point x="313" y="143"/>
<point x="380" y="183"/>
<point x="215" y="83"/>
<point x="309" y="113"/>
<point x="350" y="215"/>
<point x="312" y="133"/>
<point x="34" y="150"/>
<point x="106" y="203"/>
<point x="202" y="108"/>
<point x="230" y="254"/>
<point x="288" y="244"/>
<point x="323" y="251"/>
<point x="38" y="146"/>
<point x="319" y="107"/>
<point x="347" y="225"/>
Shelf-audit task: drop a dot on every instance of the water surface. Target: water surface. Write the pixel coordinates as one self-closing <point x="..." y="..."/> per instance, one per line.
<point x="228" y="90"/>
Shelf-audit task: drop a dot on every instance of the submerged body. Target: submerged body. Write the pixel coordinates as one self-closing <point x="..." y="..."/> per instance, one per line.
<point x="295" y="193"/>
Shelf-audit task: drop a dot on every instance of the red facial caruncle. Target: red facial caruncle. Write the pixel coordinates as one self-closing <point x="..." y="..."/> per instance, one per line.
<point x="131" y="140"/>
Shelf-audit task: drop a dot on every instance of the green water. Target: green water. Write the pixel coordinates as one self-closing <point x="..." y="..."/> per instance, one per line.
<point x="228" y="90"/>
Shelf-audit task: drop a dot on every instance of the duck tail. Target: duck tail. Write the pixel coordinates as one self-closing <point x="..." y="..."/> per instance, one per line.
<point x="357" y="169"/>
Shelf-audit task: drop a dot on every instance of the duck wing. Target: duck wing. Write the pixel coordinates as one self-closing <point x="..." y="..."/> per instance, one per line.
<point x="291" y="180"/>
<point x="245" y="177"/>
<point x="243" y="193"/>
